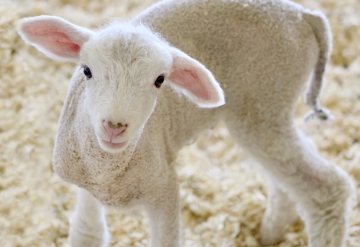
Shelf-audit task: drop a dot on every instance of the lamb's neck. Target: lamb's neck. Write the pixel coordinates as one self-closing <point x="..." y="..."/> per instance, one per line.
<point x="181" y="121"/>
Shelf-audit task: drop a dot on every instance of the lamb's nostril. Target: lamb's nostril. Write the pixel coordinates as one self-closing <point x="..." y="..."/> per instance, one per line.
<point x="115" y="126"/>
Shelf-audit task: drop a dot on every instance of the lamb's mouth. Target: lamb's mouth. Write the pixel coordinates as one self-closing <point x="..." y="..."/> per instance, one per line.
<point x="113" y="145"/>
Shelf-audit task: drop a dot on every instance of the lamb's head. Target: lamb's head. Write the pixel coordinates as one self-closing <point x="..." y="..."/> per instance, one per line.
<point x="125" y="68"/>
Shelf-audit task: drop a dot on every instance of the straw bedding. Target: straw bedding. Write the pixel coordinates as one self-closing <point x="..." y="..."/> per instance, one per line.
<point x="223" y="196"/>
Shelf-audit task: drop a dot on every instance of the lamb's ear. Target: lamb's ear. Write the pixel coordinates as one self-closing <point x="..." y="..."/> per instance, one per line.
<point x="192" y="79"/>
<point x="54" y="36"/>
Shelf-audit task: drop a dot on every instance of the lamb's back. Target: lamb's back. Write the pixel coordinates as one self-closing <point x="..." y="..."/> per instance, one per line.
<point x="258" y="50"/>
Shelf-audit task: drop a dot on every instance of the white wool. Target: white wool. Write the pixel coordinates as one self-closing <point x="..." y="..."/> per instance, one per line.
<point x="262" y="53"/>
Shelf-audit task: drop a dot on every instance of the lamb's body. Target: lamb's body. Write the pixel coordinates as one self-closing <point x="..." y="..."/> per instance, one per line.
<point x="263" y="53"/>
<point x="261" y="66"/>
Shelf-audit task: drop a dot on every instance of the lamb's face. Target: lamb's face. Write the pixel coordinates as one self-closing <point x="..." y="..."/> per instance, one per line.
<point x="123" y="73"/>
<point x="124" y="67"/>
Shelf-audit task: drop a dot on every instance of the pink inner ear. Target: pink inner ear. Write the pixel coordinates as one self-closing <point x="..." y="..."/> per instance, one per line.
<point x="195" y="83"/>
<point x="53" y="39"/>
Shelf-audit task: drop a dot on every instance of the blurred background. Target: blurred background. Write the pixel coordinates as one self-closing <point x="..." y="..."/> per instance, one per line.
<point x="223" y="195"/>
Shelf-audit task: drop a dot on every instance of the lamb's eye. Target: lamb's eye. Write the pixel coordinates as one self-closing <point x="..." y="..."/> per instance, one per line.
<point x="87" y="72"/>
<point x="159" y="81"/>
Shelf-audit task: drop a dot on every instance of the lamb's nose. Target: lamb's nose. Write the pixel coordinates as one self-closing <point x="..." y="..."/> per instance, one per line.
<point x="114" y="129"/>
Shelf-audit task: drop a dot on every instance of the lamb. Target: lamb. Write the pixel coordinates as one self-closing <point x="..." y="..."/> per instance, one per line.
<point x="139" y="93"/>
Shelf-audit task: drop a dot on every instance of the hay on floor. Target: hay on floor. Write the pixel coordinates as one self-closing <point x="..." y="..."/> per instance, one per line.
<point x="223" y="197"/>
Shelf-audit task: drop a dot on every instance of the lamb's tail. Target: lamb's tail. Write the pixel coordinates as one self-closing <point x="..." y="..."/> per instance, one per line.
<point x="321" y="30"/>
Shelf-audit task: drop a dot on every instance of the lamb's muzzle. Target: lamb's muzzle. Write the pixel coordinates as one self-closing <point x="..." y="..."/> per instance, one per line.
<point x="114" y="129"/>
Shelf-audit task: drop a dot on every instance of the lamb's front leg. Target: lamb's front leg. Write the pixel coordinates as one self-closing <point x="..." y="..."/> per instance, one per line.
<point x="88" y="223"/>
<point x="163" y="207"/>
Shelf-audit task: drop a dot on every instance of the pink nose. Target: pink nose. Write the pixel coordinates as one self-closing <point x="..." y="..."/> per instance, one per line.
<point x="114" y="129"/>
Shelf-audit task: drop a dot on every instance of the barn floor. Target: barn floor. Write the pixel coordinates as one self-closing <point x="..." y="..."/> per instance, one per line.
<point x="223" y="195"/>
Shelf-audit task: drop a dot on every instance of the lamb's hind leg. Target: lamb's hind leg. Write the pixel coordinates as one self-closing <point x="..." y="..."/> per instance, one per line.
<point x="280" y="213"/>
<point x="323" y="192"/>
<point x="88" y="224"/>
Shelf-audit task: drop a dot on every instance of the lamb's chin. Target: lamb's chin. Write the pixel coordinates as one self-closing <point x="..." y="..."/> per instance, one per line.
<point x="111" y="147"/>
<point x="116" y="148"/>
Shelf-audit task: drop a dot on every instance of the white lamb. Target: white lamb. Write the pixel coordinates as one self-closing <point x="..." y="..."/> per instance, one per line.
<point x="124" y="118"/>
